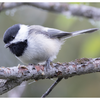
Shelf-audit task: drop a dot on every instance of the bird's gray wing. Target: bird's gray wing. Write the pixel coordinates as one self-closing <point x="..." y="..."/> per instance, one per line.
<point x="55" y="33"/>
<point x="50" y="32"/>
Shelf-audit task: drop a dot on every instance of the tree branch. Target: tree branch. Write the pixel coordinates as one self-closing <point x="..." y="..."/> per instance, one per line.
<point x="62" y="8"/>
<point x="14" y="76"/>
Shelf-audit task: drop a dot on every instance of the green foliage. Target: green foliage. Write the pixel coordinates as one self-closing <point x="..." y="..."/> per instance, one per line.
<point x="85" y="3"/>
<point x="62" y="22"/>
<point x="91" y="47"/>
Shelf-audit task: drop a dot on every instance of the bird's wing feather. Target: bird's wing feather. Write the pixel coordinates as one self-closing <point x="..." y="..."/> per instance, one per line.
<point x="50" y="32"/>
<point x="55" y="33"/>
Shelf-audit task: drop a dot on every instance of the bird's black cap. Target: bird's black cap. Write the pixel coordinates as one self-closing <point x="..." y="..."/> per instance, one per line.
<point x="10" y="33"/>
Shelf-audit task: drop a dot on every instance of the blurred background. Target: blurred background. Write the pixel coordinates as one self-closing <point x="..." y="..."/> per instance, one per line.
<point x="87" y="45"/>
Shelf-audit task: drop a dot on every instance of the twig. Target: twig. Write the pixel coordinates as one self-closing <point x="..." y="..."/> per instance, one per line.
<point x="52" y="87"/>
<point x="62" y="8"/>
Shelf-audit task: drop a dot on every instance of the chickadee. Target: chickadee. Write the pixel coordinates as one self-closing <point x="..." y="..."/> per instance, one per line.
<point x="36" y="44"/>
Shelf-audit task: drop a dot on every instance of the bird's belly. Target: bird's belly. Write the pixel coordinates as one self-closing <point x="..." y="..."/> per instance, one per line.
<point x="40" y="51"/>
<point x="33" y="57"/>
<point x="37" y="57"/>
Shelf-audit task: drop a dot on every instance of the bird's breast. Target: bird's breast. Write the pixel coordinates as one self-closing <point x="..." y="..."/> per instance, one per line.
<point x="39" y="49"/>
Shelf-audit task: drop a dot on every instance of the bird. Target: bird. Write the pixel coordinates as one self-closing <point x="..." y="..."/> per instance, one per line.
<point x="35" y="44"/>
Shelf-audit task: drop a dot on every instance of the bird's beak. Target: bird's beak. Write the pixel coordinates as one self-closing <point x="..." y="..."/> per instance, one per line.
<point x="7" y="45"/>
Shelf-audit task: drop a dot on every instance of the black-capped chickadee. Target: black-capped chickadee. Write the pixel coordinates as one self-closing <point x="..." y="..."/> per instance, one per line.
<point x="36" y="44"/>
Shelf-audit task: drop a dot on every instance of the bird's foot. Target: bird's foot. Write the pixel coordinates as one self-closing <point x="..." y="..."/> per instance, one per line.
<point x="48" y="65"/>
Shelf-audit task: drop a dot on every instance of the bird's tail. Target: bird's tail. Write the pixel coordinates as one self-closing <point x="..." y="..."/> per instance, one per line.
<point x="68" y="35"/>
<point x="64" y="35"/>
<point x="84" y="31"/>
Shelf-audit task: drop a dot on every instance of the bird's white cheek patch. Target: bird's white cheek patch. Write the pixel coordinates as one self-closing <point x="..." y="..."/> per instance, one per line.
<point x="22" y="34"/>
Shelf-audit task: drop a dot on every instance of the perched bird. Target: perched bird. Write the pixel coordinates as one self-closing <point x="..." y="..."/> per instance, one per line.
<point x="35" y="44"/>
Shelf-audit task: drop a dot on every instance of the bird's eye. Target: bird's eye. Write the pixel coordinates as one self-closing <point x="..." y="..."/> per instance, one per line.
<point x="12" y="37"/>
